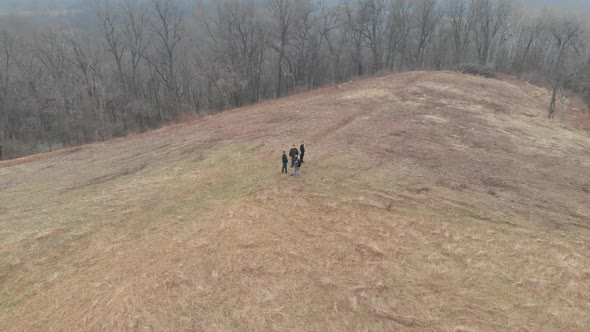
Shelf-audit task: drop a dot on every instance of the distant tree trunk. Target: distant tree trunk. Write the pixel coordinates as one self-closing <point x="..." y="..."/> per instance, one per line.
<point x="6" y="54"/>
<point x="169" y="30"/>
<point x="567" y="33"/>
<point x="563" y="117"/>
<point x="280" y="70"/>
<point x="552" y="103"/>
<point x="427" y="17"/>
<point x="285" y="13"/>
<point x="492" y="16"/>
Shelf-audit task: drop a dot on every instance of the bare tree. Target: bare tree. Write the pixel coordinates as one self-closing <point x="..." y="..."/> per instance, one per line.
<point x="427" y="18"/>
<point x="356" y="17"/>
<point x="568" y="33"/>
<point x="583" y="85"/>
<point x="167" y="26"/>
<point x="137" y="43"/>
<point x="6" y="59"/>
<point x="285" y="14"/>
<point x="304" y="45"/>
<point x="492" y="16"/>
<point x="113" y="35"/>
<point x="59" y="107"/>
<point x="462" y="19"/>
<point x="89" y="78"/>
<point x="337" y="37"/>
<point x="400" y="27"/>
<point x="237" y="45"/>
<point x="441" y="52"/>
<point x="529" y="34"/>
<point x="372" y="28"/>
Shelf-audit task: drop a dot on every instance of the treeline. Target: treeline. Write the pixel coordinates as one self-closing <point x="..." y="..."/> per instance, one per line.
<point x="139" y="64"/>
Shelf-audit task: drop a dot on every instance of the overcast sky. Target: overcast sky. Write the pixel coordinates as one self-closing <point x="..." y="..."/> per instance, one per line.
<point x="44" y="5"/>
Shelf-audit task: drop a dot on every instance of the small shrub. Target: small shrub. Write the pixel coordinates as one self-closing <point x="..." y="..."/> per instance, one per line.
<point x="476" y="70"/>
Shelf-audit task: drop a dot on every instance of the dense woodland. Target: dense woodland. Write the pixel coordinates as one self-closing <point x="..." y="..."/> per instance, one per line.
<point x="136" y="65"/>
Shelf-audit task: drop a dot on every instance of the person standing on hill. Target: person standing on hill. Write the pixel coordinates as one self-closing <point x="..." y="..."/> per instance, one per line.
<point x="302" y="149"/>
<point x="293" y="153"/>
<point x="297" y="172"/>
<point x="285" y="163"/>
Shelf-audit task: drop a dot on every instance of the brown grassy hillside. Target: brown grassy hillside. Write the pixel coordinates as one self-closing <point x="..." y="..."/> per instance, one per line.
<point x="429" y="201"/>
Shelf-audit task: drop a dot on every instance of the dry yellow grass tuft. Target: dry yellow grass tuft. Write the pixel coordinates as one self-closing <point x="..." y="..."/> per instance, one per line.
<point x="428" y="201"/>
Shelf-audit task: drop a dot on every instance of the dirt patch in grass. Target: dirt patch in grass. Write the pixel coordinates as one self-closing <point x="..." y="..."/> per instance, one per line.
<point x="40" y="156"/>
<point x="109" y="177"/>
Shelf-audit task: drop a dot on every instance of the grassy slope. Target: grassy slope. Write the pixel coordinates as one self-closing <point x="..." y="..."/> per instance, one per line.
<point x="429" y="201"/>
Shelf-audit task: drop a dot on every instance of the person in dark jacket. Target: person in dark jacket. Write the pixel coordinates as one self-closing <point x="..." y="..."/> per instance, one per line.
<point x="285" y="163"/>
<point x="293" y="153"/>
<point x="297" y="172"/>
<point x="302" y="149"/>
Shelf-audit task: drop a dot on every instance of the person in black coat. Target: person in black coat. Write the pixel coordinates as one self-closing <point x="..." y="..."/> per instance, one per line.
<point x="293" y="153"/>
<point x="297" y="172"/>
<point x="302" y="149"/>
<point x="285" y="163"/>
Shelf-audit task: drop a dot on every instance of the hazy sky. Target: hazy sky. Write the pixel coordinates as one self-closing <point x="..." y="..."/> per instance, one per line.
<point x="558" y="2"/>
<point x="43" y="5"/>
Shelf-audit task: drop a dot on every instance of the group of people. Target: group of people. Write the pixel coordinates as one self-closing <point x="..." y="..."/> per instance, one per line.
<point x="296" y="159"/>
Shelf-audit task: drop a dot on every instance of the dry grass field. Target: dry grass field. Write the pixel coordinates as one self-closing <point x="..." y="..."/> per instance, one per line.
<point x="428" y="202"/>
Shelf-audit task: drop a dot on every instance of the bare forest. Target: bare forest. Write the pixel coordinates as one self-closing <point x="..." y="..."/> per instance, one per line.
<point x="138" y="65"/>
